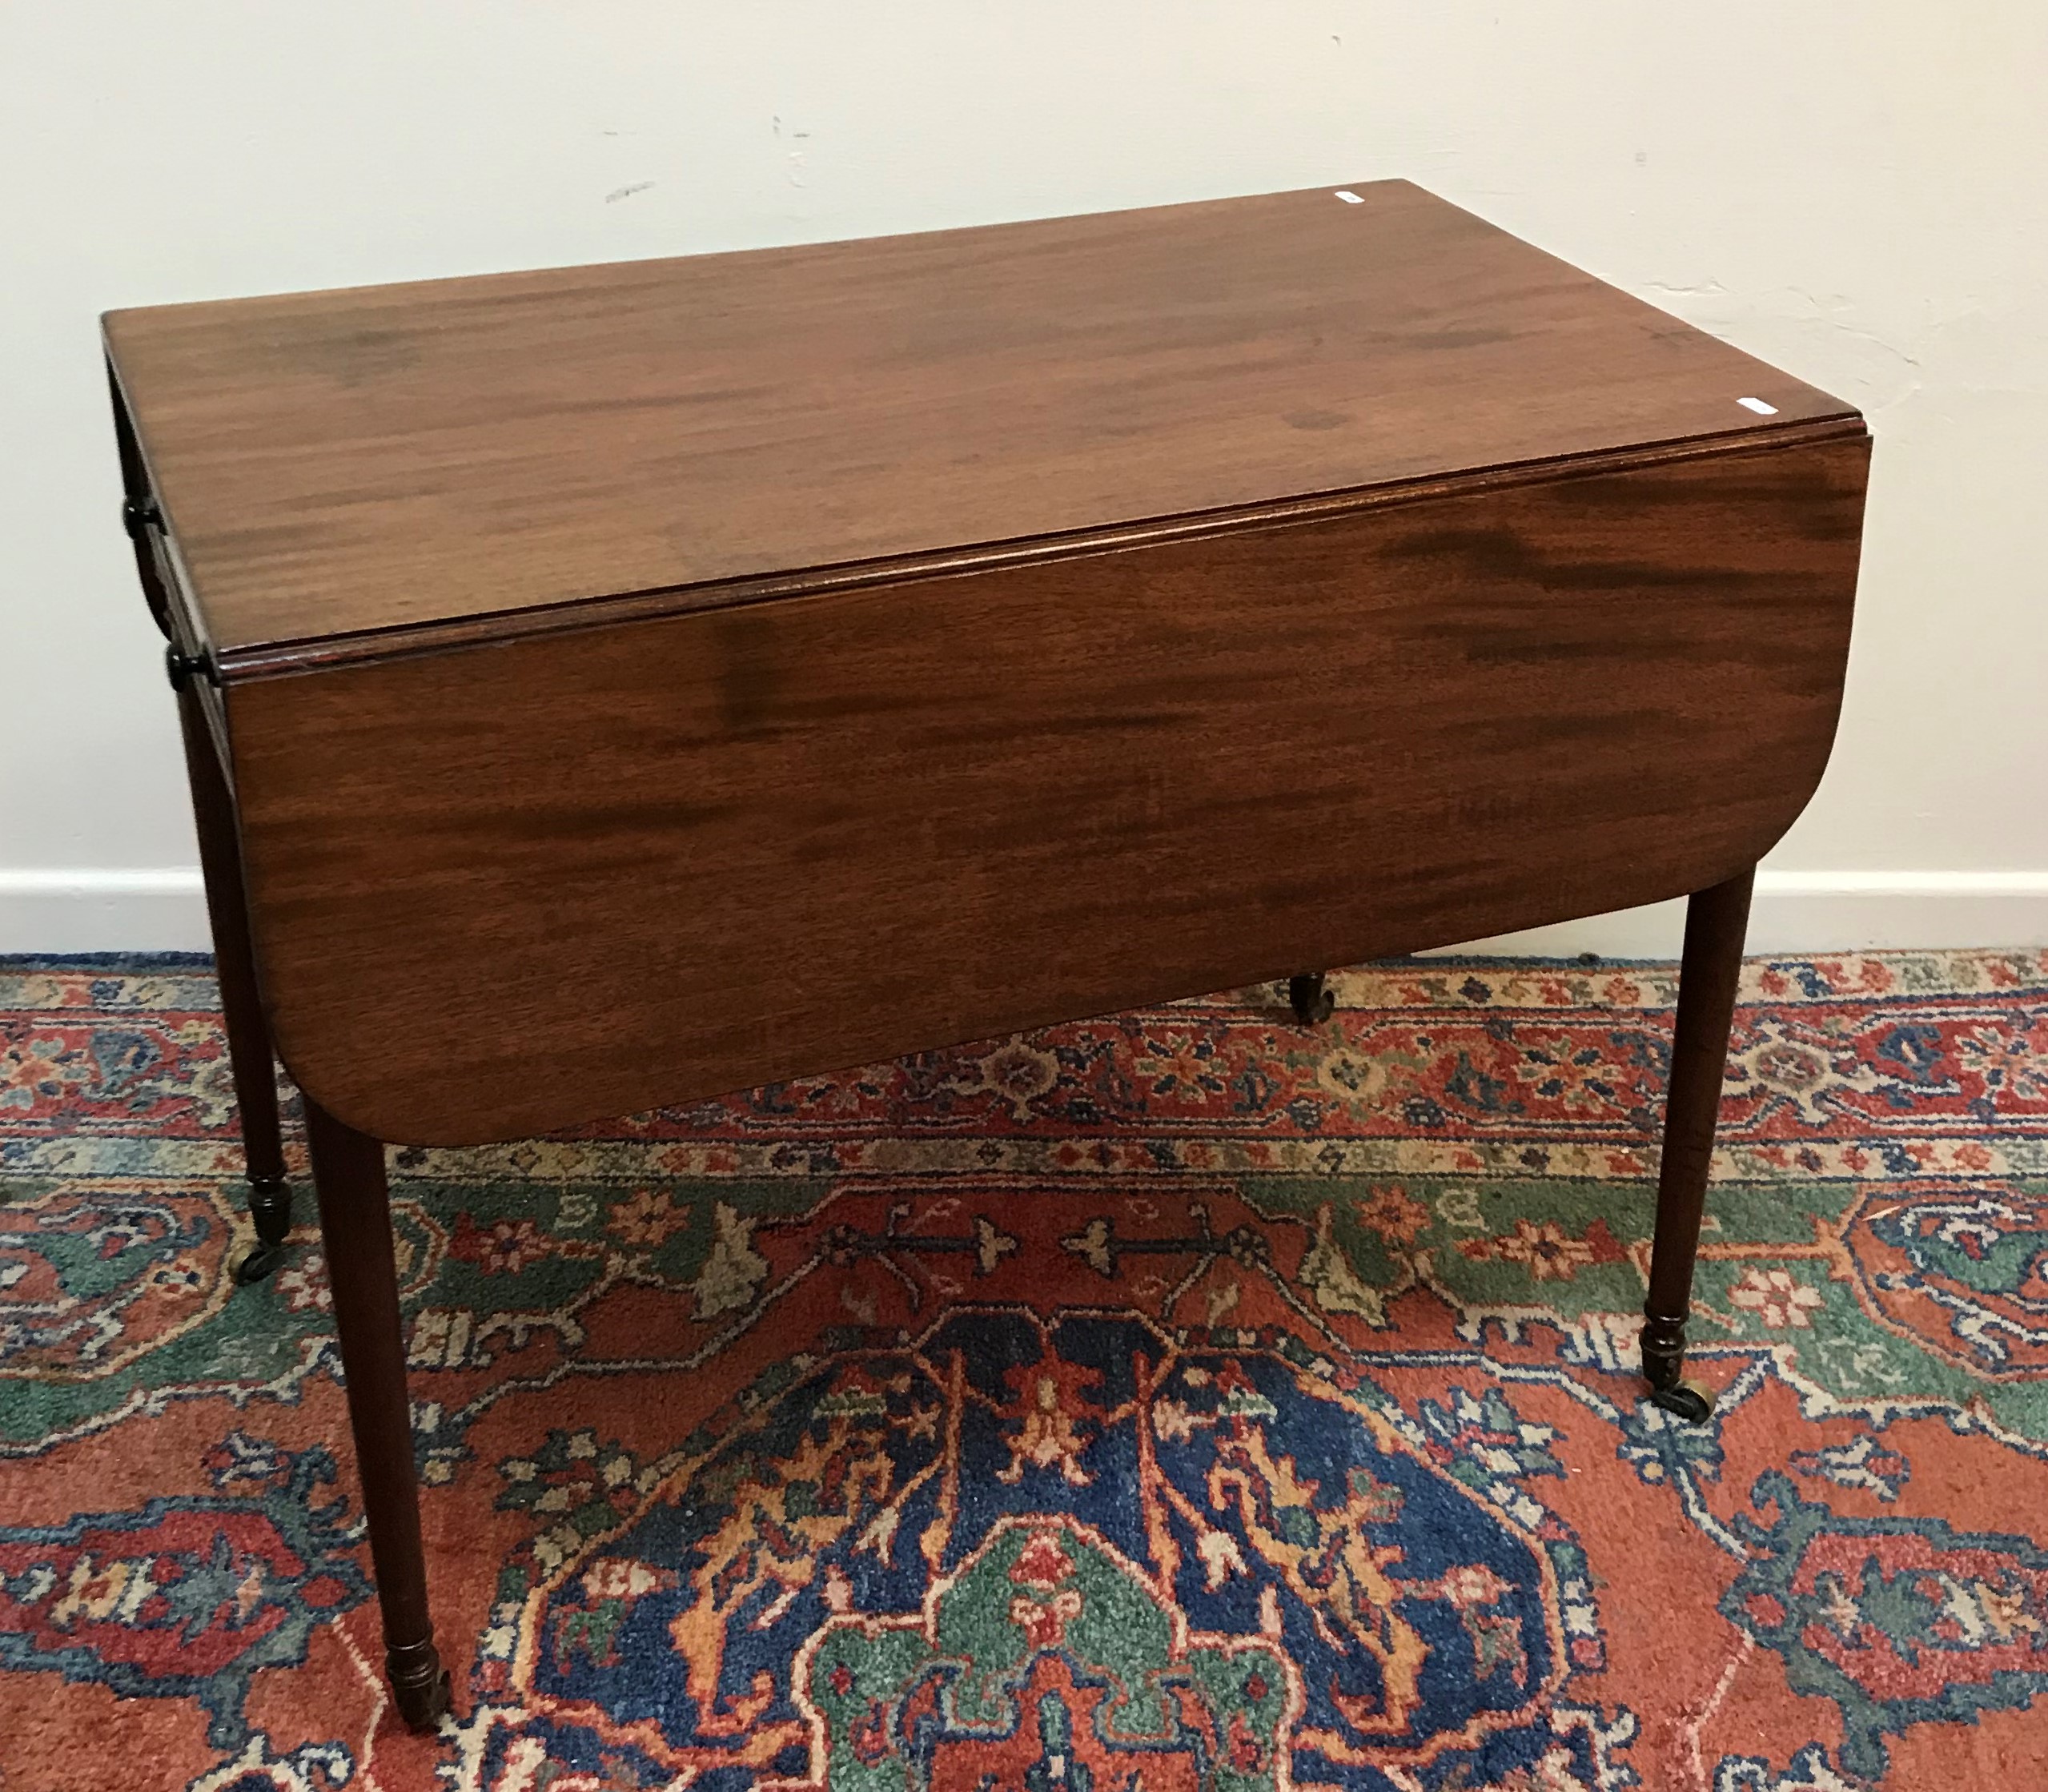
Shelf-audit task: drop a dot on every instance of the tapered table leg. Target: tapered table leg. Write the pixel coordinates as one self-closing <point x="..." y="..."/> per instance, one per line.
<point x="1716" y="921"/>
<point x="249" y="1051"/>
<point x="348" y="1177"/>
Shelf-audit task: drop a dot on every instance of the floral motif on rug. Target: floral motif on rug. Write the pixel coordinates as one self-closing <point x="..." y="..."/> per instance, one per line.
<point x="1180" y="1399"/>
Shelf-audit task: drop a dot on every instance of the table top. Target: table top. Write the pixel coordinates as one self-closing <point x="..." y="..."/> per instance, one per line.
<point x="337" y="464"/>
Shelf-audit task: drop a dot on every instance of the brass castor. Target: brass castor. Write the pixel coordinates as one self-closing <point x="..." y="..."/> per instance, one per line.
<point x="270" y="1206"/>
<point x="1664" y="1366"/>
<point x="1309" y="995"/>
<point x="420" y="1685"/>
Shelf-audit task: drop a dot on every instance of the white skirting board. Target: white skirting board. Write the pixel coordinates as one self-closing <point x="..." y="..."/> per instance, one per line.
<point x="164" y="910"/>
<point x="1816" y="912"/>
<point x="93" y="910"/>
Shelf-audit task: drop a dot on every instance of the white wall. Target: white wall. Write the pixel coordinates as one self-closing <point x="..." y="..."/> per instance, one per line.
<point x="1853" y="189"/>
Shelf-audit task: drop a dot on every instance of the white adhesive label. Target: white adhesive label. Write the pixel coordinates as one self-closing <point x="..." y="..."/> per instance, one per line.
<point x="1758" y="406"/>
<point x="1348" y="197"/>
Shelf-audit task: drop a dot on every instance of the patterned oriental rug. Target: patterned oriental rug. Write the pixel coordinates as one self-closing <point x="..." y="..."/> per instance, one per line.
<point x="1179" y="1400"/>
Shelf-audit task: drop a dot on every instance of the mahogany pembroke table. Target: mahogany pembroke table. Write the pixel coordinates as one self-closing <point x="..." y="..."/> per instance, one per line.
<point x="608" y="687"/>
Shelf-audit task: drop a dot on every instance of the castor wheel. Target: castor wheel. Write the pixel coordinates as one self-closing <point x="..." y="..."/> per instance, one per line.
<point x="1309" y="995"/>
<point x="256" y="1263"/>
<point x="270" y="1206"/>
<point x="1694" y="1404"/>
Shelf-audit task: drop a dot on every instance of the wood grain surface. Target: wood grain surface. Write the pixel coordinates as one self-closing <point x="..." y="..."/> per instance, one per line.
<point x="512" y="887"/>
<point x="387" y="458"/>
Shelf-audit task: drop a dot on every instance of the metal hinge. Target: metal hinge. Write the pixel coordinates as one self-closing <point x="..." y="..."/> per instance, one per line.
<point x="139" y="516"/>
<point x="183" y="667"/>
